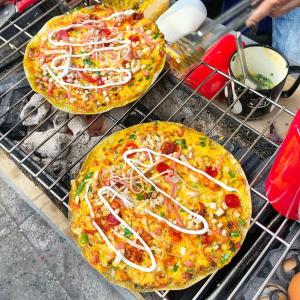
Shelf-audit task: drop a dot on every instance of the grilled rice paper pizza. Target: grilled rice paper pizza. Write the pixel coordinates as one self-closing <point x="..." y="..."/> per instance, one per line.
<point x="159" y="206"/>
<point x="94" y="59"/>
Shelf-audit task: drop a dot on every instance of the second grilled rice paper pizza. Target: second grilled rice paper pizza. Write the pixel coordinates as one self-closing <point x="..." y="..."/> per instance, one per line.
<point x="94" y="59"/>
<point x="159" y="206"/>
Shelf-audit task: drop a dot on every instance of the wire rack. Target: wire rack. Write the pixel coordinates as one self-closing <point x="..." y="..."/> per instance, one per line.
<point x="271" y="233"/>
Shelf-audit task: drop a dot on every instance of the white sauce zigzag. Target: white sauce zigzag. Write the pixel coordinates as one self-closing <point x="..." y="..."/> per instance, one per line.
<point x="65" y="69"/>
<point x="108" y="189"/>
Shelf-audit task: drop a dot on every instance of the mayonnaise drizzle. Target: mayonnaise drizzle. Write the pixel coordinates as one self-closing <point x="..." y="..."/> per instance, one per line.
<point x="67" y="56"/>
<point x="149" y="152"/>
<point x="108" y="189"/>
<point x="102" y="191"/>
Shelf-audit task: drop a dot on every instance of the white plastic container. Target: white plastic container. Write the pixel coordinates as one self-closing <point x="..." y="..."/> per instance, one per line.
<point x="184" y="17"/>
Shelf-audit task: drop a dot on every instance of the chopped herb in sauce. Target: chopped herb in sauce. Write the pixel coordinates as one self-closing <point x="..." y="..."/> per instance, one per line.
<point x="133" y="136"/>
<point x="175" y="268"/>
<point x="234" y="234"/>
<point x="162" y="214"/>
<point x="128" y="233"/>
<point x="140" y="197"/>
<point x="83" y="239"/>
<point x="156" y="35"/>
<point x="202" y="141"/>
<point x="242" y="222"/>
<point x="224" y="258"/>
<point x="83" y="183"/>
<point x="88" y="63"/>
<point x="231" y="174"/>
<point x="195" y="185"/>
<point x="182" y="143"/>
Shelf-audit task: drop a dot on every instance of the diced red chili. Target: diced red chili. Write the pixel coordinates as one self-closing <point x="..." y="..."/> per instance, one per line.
<point x="129" y="146"/>
<point x="162" y="167"/>
<point x="169" y="147"/>
<point x="213" y="172"/>
<point x="232" y="201"/>
<point x="111" y="220"/>
<point x="175" y="235"/>
<point x="105" y="31"/>
<point x="90" y="79"/>
<point x="134" y="38"/>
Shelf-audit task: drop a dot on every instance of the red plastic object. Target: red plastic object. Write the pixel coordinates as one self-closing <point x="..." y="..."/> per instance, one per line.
<point x="22" y="5"/>
<point x="283" y="183"/>
<point x="218" y="56"/>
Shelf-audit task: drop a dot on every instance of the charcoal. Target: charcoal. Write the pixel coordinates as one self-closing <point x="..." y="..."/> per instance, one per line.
<point x="36" y="110"/>
<point x="8" y="100"/>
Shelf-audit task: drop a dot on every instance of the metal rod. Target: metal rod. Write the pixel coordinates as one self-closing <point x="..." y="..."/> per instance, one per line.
<point x="34" y="130"/>
<point x="23" y="119"/>
<point x="48" y="138"/>
<point x="279" y="261"/>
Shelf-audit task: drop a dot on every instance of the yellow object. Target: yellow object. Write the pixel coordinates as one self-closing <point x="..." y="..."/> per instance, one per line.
<point x="182" y="259"/>
<point x="294" y="288"/>
<point x="95" y="81"/>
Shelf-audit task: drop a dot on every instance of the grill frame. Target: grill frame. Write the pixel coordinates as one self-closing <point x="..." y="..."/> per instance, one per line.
<point x="59" y="194"/>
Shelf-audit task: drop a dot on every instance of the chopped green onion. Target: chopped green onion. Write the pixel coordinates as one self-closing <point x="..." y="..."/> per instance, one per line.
<point x="132" y="136"/>
<point x="83" y="239"/>
<point x="224" y="258"/>
<point x="148" y="77"/>
<point x="120" y="141"/>
<point x="190" y="270"/>
<point x="162" y="214"/>
<point x="88" y="175"/>
<point x="128" y="233"/>
<point x="175" y="268"/>
<point x="152" y="189"/>
<point x="141" y="79"/>
<point x="140" y="197"/>
<point x="194" y="185"/>
<point x="87" y="62"/>
<point x="182" y="143"/>
<point x="202" y="141"/>
<point x="242" y="222"/>
<point x="231" y="174"/>
<point x="234" y="234"/>
<point x="83" y="183"/>
<point x="80" y="188"/>
<point x="156" y="35"/>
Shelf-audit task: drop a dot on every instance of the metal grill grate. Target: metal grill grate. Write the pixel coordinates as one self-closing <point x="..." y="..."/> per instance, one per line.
<point x="270" y="232"/>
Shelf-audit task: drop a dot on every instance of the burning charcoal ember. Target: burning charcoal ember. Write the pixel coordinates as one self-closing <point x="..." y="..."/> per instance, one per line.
<point x="38" y="115"/>
<point x="51" y="147"/>
<point x="11" y="98"/>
